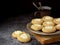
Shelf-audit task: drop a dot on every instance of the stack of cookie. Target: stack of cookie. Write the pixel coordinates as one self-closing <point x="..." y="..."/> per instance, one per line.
<point x="46" y="24"/>
<point x="21" y="36"/>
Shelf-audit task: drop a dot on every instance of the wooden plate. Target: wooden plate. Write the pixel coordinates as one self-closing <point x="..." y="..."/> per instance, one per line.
<point x="40" y="32"/>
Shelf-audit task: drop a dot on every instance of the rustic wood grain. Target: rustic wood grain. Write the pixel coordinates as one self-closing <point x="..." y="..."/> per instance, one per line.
<point x="46" y="39"/>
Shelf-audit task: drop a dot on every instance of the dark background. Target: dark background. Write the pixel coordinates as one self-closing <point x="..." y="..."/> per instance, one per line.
<point x="15" y="8"/>
<point x="25" y="6"/>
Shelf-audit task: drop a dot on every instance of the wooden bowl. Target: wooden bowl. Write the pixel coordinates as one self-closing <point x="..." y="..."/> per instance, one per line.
<point x="40" y="32"/>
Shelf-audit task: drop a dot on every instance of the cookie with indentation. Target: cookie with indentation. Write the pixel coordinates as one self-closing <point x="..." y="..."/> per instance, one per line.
<point x="47" y="18"/>
<point x="36" y="27"/>
<point x="49" y="29"/>
<point x="25" y="37"/>
<point x="37" y="21"/>
<point x="16" y="33"/>
<point x="48" y="23"/>
<point x="58" y="26"/>
<point x="57" y="20"/>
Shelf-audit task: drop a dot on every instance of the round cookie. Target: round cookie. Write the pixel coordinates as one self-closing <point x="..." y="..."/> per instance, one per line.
<point x="37" y="21"/>
<point x="47" y="18"/>
<point x="57" y="20"/>
<point x="49" y="29"/>
<point x="24" y="37"/>
<point x="58" y="26"/>
<point x="36" y="27"/>
<point x="48" y="23"/>
<point x="16" y="33"/>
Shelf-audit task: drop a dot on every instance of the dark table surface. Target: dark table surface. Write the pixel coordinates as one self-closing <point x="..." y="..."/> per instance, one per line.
<point x="17" y="23"/>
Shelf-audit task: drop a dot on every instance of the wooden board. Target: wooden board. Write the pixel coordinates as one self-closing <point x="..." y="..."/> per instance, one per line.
<point x="46" y="39"/>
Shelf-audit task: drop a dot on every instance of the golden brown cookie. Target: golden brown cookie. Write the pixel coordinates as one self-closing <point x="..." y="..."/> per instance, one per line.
<point x="49" y="29"/>
<point x="57" y="20"/>
<point x="58" y="26"/>
<point x="48" y="23"/>
<point x="16" y="33"/>
<point x="36" y="27"/>
<point x="24" y="37"/>
<point x="37" y="21"/>
<point x="47" y="18"/>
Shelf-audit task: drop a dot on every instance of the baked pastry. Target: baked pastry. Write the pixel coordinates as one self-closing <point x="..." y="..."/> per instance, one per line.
<point x="16" y="33"/>
<point x="49" y="29"/>
<point x="58" y="26"/>
<point x="47" y="18"/>
<point x="48" y="23"/>
<point x="37" y="21"/>
<point x="24" y="37"/>
<point x="57" y="20"/>
<point x="36" y="27"/>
